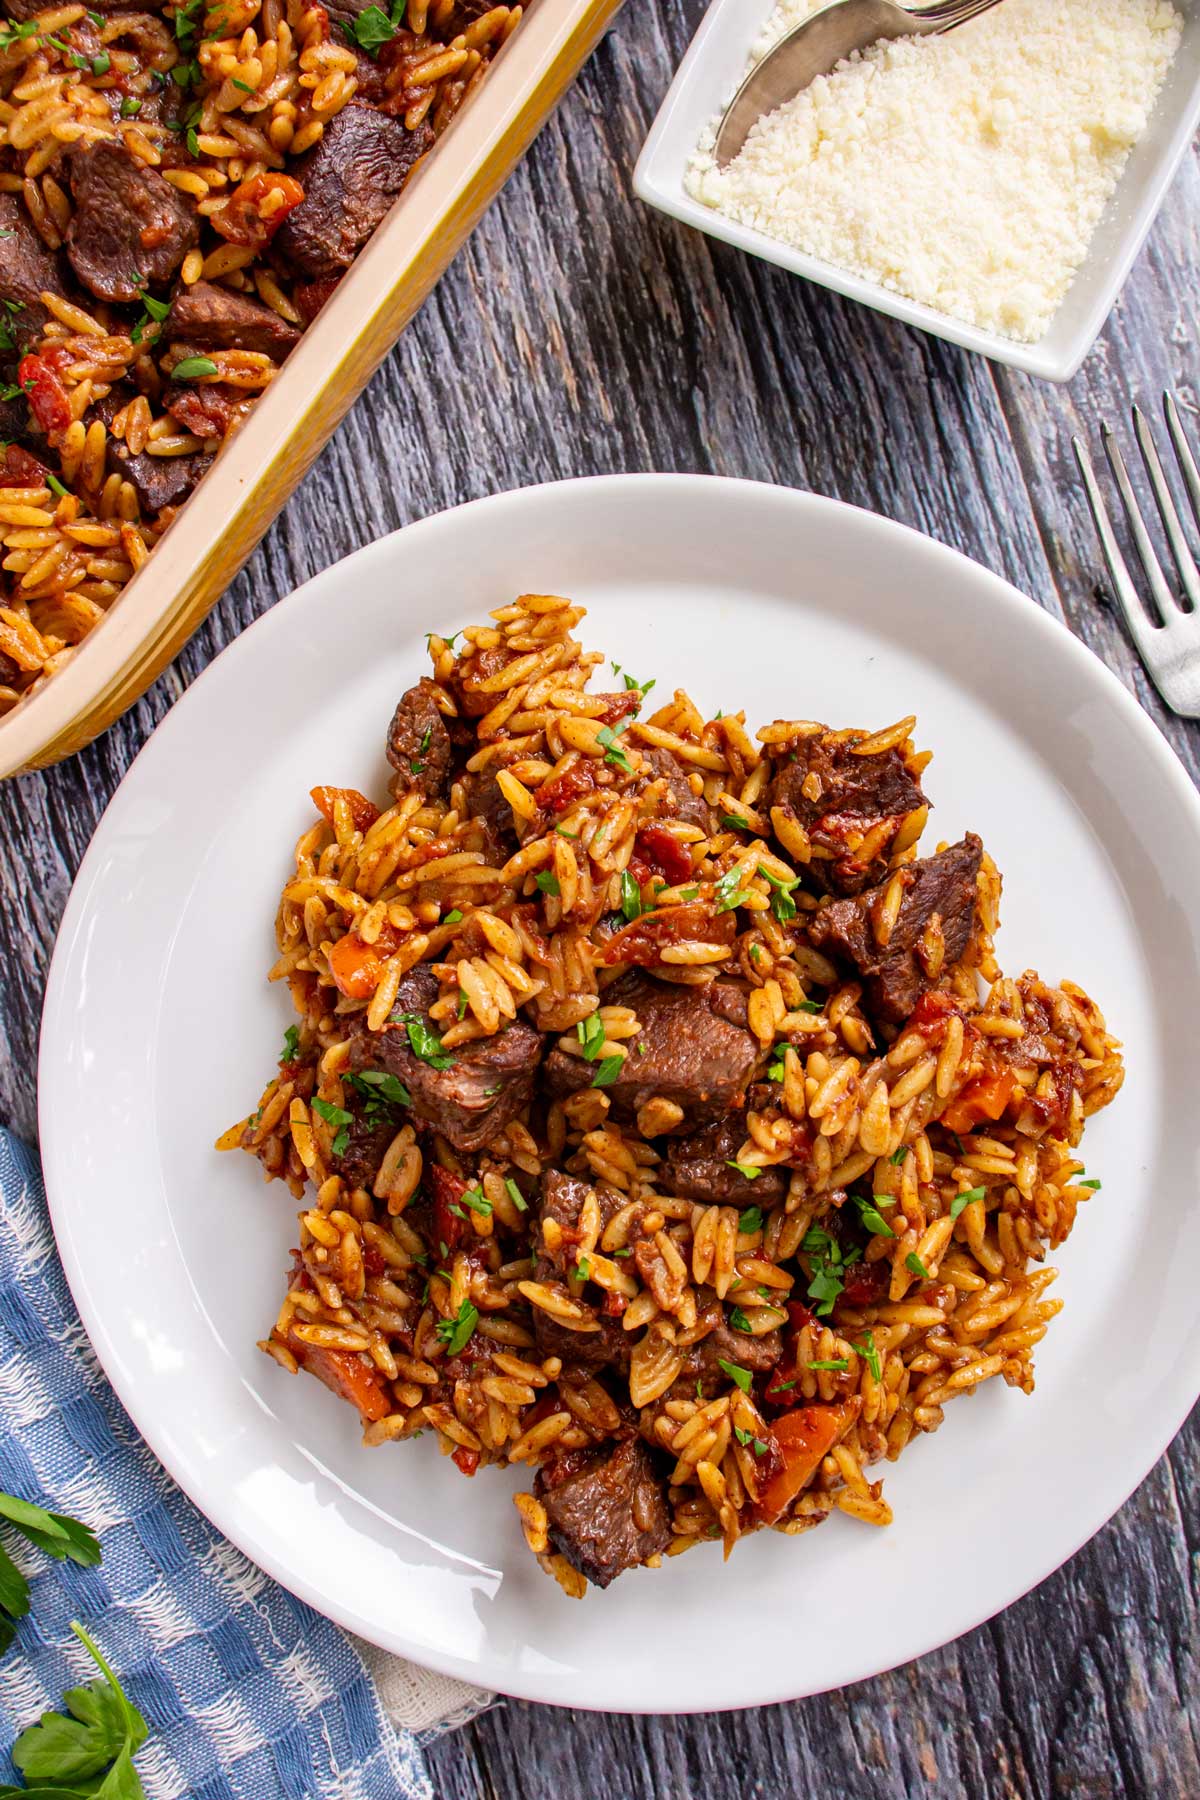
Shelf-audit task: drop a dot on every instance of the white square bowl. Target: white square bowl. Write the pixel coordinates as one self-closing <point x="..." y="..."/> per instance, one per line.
<point x="714" y="65"/>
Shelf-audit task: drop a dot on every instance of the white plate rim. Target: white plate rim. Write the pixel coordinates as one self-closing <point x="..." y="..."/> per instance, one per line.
<point x="1092" y="1513"/>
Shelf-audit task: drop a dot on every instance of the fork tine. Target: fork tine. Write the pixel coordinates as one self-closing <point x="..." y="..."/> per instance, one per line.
<point x="1140" y="628"/>
<point x="1183" y="452"/>
<point x="1163" y="597"/>
<point x="1184" y="560"/>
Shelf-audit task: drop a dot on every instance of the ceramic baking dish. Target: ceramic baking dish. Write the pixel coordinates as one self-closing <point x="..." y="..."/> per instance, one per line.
<point x="255" y="474"/>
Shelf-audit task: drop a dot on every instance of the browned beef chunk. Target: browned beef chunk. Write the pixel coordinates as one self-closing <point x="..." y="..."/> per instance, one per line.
<point x="852" y="795"/>
<point x="486" y="1084"/>
<point x="208" y="410"/>
<point x="418" y="744"/>
<point x="9" y="670"/>
<point x="215" y="318"/>
<point x="702" y="1361"/>
<point x="586" y="1352"/>
<point x="466" y="685"/>
<point x="688" y="1051"/>
<point x="27" y="269"/>
<point x="939" y="887"/>
<point x="350" y="179"/>
<point x="160" y="480"/>
<point x="608" y="1515"/>
<point x="29" y="9"/>
<point x="486" y="802"/>
<point x="699" y="1168"/>
<point x="130" y="229"/>
<point x="563" y="1197"/>
<point x="679" y="801"/>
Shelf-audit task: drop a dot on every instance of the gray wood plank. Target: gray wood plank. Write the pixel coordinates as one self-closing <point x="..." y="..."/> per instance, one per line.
<point x="579" y="333"/>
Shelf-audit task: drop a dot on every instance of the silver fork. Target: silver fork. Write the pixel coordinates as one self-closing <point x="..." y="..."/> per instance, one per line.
<point x="1167" y="639"/>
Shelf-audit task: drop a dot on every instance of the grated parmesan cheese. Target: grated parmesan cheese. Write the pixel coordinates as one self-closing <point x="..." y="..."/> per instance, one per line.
<point x="966" y="171"/>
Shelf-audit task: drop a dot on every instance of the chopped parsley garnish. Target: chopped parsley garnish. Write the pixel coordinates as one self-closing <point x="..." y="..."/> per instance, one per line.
<point x="457" y="1210"/>
<point x="828" y="1263"/>
<point x="729" y="894"/>
<point x="192" y="368"/>
<point x="631" y="897"/>
<point x="733" y="823"/>
<point x="453" y="918"/>
<point x="154" y="314"/>
<point x="607" y="737"/>
<point x="782" y="1387"/>
<point x="738" y="1319"/>
<point x="1080" y="1182"/>
<point x="335" y="1115"/>
<point x="474" y="1198"/>
<point x="515" y="1195"/>
<point x="870" y="1355"/>
<point x="751" y="1220"/>
<point x="291" y="1044"/>
<point x="101" y="64"/>
<point x="455" y="1333"/>
<point x="775" y="1069"/>
<point x="898" y="1156"/>
<point x="131" y="106"/>
<point x="583" y="1268"/>
<point x="590" y="1032"/>
<point x="243" y="86"/>
<point x="835" y="1364"/>
<point x="747" y="1437"/>
<point x="740" y="1377"/>
<point x="462" y="1003"/>
<point x="547" y="882"/>
<point x="869" y="1213"/>
<point x="423" y="1040"/>
<point x="689" y="893"/>
<point x="56" y="487"/>
<point x="624" y="1251"/>
<point x="372" y="29"/>
<point x="749" y="1171"/>
<point x="380" y="1093"/>
<point x="782" y="904"/>
<point x="563" y="832"/>
<point x="960" y="1202"/>
<point x="609" y="1069"/>
<point x="915" y="1266"/>
<point x="809" y="1006"/>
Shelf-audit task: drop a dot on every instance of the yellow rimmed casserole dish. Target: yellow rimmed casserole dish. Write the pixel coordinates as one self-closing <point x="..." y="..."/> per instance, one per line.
<point x="257" y="471"/>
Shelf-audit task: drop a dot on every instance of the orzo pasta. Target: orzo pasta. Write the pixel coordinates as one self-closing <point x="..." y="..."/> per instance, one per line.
<point x="660" y="1118"/>
<point x="182" y="186"/>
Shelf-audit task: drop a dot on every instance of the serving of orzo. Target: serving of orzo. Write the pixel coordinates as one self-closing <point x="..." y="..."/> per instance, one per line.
<point x="183" y="183"/>
<point x="660" y="1117"/>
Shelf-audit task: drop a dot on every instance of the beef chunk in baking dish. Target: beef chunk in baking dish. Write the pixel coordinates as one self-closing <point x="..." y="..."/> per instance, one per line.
<point x="563" y="1201"/>
<point x="215" y="318"/>
<point x="939" y="888"/>
<point x="27" y="270"/>
<point x="699" y="1168"/>
<point x="418" y="744"/>
<point x="693" y="1049"/>
<point x="839" y="797"/>
<point x="483" y="1085"/>
<point x="350" y="178"/>
<point x="130" y="229"/>
<point x="607" y="1514"/>
<point x="485" y="802"/>
<point x="160" y="480"/>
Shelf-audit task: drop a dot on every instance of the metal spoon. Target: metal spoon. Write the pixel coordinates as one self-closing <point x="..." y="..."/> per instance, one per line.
<point x="818" y="45"/>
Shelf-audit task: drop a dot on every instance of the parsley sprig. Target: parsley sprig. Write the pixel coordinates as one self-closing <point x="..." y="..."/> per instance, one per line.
<point x="372" y="29"/>
<point x="455" y="1333"/>
<point x="53" y="1533"/>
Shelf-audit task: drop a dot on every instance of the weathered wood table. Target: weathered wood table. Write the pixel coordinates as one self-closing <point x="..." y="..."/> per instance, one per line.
<point x="577" y="334"/>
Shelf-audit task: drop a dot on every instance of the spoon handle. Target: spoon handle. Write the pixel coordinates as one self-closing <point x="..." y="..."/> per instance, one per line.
<point x="950" y="12"/>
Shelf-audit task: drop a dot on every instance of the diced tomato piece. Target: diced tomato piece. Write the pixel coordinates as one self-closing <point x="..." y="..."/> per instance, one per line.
<point x="465" y="1459"/>
<point x="47" y="396"/>
<point x="364" y="812"/>
<point x="984" y="1098"/>
<point x="448" y="1190"/>
<point x="800" y="1315"/>
<point x="641" y="942"/>
<point x="18" y="468"/>
<point x="257" y="208"/>
<point x="664" y="853"/>
<point x="804" y="1438"/>
<point x="346" y="1374"/>
<point x="563" y="790"/>
<point x="932" y="1010"/>
<point x="619" y="706"/>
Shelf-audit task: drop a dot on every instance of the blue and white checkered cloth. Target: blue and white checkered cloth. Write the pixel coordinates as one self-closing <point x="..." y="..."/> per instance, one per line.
<point x="248" y="1694"/>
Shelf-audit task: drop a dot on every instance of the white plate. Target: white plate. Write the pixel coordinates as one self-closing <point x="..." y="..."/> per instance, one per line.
<point x="160" y="1029"/>
<point x="716" y="62"/>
